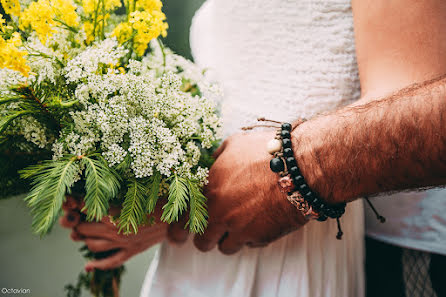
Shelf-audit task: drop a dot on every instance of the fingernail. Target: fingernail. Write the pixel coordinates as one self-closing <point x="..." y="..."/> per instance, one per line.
<point x="88" y="268"/>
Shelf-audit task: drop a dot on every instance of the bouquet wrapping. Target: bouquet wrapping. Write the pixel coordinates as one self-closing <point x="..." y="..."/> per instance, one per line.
<point x="92" y="104"/>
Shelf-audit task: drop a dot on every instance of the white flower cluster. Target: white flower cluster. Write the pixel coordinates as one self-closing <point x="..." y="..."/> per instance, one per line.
<point x="159" y="112"/>
<point x="33" y="131"/>
<point x="94" y="59"/>
<point x="9" y="78"/>
<point x="184" y="68"/>
<point x="142" y="112"/>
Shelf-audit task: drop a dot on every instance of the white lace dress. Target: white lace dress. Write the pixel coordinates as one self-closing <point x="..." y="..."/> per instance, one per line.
<point x="281" y="59"/>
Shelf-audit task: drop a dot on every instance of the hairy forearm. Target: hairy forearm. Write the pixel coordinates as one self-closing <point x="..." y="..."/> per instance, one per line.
<point x="392" y="144"/>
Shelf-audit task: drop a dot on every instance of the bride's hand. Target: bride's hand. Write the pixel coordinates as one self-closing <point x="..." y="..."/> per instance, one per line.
<point x="245" y="204"/>
<point x="103" y="236"/>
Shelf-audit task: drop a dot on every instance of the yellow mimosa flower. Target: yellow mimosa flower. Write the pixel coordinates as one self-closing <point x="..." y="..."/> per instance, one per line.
<point x="90" y="6"/>
<point x="11" y="7"/>
<point x="40" y="17"/>
<point x="89" y="28"/>
<point x="122" y="32"/>
<point x="66" y="12"/>
<point x="111" y="5"/>
<point x="44" y="15"/>
<point x="148" y="26"/>
<point x="149" y="5"/>
<point x="11" y="57"/>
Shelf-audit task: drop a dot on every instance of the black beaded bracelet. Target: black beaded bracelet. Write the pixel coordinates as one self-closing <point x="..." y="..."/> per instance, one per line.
<point x="293" y="183"/>
<point x="299" y="193"/>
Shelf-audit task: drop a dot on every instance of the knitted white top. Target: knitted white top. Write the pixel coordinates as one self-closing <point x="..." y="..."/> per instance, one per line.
<point x="278" y="59"/>
<point x="281" y="59"/>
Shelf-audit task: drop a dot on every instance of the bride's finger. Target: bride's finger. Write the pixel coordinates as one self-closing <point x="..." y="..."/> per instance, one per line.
<point x="75" y="236"/>
<point x="98" y="230"/>
<point x="108" y="263"/>
<point x="176" y="233"/>
<point x="69" y="219"/>
<point x="209" y="239"/>
<point x="101" y="245"/>
<point x="231" y="244"/>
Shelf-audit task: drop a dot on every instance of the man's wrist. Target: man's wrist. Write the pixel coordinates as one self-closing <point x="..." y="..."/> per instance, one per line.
<point x="310" y="146"/>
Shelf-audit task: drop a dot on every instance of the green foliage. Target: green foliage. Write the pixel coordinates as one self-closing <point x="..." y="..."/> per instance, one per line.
<point x="155" y="182"/>
<point x="177" y="200"/>
<point x="133" y="209"/>
<point x="101" y="184"/>
<point x="182" y="191"/>
<point x="198" y="213"/>
<point x="30" y="101"/>
<point x="124" y="166"/>
<point x="97" y="282"/>
<point x="51" y="181"/>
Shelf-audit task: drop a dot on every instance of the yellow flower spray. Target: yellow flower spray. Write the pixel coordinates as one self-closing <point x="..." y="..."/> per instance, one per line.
<point x="43" y="16"/>
<point x="11" y="56"/>
<point x="11" y="7"/>
<point x="145" y="23"/>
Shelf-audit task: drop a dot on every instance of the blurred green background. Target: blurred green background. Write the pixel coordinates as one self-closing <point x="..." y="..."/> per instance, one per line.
<point x="45" y="266"/>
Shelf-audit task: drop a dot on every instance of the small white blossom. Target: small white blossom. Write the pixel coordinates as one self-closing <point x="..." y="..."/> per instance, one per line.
<point x="33" y="131"/>
<point x="58" y="150"/>
<point x="114" y="154"/>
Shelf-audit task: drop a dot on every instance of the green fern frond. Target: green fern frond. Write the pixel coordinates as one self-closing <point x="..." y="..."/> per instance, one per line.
<point x="133" y="209"/>
<point x="152" y="199"/>
<point x="30" y="100"/>
<point x="198" y="214"/>
<point x="101" y="185"/>
<point x="7" y="100"/>
<point x="51" y="181"/>
<point x="177" y="201"/>
<point x="125" y="164"/>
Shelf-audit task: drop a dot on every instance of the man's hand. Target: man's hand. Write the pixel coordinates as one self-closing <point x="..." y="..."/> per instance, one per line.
<point x="103" y="236"/>
<point x="245" y="204"/>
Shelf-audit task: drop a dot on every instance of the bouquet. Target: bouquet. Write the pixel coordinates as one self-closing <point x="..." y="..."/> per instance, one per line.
<point x="93" y="104"/>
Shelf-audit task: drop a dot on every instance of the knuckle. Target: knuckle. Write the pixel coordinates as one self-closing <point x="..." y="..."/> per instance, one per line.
<point x="93" y="247"/>
<point x="202" y="245"/>
<point x="177" y="236"/>
<point x="75" y="236"/>
<point x="231" y="221"/>
<point x="228" y="250"/>
<point x="81" y="228"/>
<point x="96" y="246"/>
<point x="115" y="262"/>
